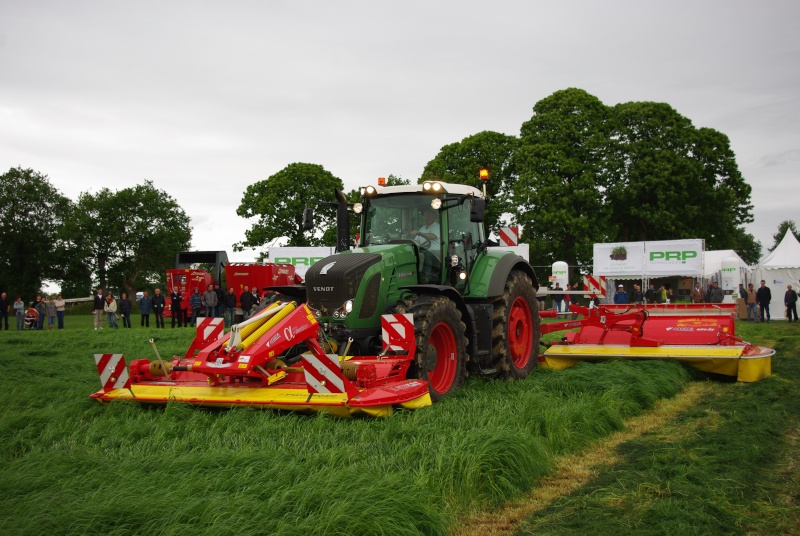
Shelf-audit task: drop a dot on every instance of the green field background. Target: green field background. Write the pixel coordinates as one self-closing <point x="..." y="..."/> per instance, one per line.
<point x="72" y="466"/>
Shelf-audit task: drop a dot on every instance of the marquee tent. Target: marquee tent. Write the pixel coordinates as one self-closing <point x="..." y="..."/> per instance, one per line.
<point x="712" y="263"/>
<point x="778" y="269"/>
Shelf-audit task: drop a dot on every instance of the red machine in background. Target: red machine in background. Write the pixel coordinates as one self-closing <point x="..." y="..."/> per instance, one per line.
<point x="256" y="275"/>
<point x="185" y="280"/>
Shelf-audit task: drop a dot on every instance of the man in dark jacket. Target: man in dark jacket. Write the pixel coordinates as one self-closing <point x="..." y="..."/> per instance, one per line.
<point x="790" y="301"/>
<point x="246" y="301"/>
<point x="650" y="295"/>
<point x="763" y="297"/>
<point x="125" y="307"/>
<point x="159" y="303"/>
<point x="5" y="307"/>
<point x="220" y="301"/>
<point x="145" y="305"/>
<point x="230" y="308"/>
<point x="717" y="295"/>
<point x="98" y="312"/>
<point x="176" y="303"/>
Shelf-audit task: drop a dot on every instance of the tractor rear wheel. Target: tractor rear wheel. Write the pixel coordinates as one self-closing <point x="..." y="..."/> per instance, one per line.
<point x="515" y="328"/>
<point x="441" y="343"/>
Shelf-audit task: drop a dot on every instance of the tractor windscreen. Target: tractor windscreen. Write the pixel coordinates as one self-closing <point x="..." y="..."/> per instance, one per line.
<point x="395" y="217"/>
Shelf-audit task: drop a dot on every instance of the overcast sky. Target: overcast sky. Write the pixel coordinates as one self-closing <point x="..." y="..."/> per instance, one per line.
<point x="205" y="98"/>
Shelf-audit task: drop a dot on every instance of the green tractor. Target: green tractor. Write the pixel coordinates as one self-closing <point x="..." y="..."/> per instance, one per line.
<point x="422" y="250"/>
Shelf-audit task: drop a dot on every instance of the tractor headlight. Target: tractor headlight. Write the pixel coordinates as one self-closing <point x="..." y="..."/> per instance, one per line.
<point x="370" y="191"/>
<point x="436" y="204"/>
<point x="357" y="208"/>
<point x="432" y="187"/>
<point x="462" y="276"/>
<point x="454" y="260"/>
<point x="348" y="306"/>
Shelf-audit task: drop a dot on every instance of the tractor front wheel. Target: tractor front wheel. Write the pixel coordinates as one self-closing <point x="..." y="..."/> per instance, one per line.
<point x="441" y="344"/>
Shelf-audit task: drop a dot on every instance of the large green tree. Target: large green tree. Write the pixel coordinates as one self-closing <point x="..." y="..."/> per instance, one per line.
<point x="562" y="162"/>
<point x="32" y="212"/>
<point x="278" y="202"/>
<point x="128" y="238"/>
<point x="676" y="181"/>
<point x="460" y="163"/>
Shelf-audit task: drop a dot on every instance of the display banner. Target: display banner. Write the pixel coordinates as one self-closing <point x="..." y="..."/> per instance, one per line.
<point x="649" y="259"/>
<point x="621" y="259"/>
<point x="674" y="257"/>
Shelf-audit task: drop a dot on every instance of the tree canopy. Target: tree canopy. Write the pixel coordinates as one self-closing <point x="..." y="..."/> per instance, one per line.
<point x="562" y="161"/>
<point x="278" y="202"/>
<point x="126" y="237"/>
<point x="785" y="225"/>
<point x="31" y="214"/>
<point x="460" y="163"/>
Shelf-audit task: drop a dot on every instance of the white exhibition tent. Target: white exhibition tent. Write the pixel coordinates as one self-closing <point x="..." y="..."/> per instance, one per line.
<point x="779" y="269"/>
<point x="712" y="263"/>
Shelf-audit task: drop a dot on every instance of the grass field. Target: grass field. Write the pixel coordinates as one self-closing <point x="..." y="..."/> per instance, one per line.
<point x="726" y="464"/>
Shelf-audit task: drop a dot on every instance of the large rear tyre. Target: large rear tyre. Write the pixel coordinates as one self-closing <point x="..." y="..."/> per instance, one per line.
<point x="515" y="328"/>
<point x="441" y="344"/>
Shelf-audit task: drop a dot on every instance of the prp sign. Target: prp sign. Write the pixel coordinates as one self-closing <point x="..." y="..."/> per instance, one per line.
<point x="680" y="256"/>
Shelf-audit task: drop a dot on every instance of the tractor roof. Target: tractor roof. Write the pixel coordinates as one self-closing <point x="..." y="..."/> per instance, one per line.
<point x="448" y="188"/>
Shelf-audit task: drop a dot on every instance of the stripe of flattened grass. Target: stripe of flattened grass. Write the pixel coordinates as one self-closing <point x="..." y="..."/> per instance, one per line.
<point x="573" y="471"/>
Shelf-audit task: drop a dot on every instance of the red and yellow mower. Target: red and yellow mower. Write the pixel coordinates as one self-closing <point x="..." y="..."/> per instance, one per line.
<point x="249" y="367"/>
<point x="700" y="335"/>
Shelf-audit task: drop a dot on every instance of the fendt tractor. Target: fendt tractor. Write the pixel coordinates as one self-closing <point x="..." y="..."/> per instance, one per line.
<point x="473" y="309"/>
<point x="399" y="320"/>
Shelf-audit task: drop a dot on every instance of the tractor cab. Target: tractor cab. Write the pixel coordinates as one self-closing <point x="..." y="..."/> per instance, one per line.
<point x="443" y="222"/>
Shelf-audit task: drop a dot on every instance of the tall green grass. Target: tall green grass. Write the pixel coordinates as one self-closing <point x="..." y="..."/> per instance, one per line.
<point x="729" y="465"/>
<point x="72" y="466"/>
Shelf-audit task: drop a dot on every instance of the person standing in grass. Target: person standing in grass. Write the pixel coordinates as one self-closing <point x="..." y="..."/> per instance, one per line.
<point x="125" y="308"/>
<point x="19" y="308"/>
<point x="158" y="307"/>
<point x="60" y="303"/>
<point x="195" y="302"/>
<point x="41" y="312"/>
<point x="145" y="305"/>
<point x="210" y="301"/>
<point x="5" y="307"/>
<point x="176" y="302"/>
<point x="99" y="303"/>
<point x="230" y="307"/>
<point x="790" y="301"/>
<point x="110" y="308"/>
<point x="51" y="313"/>
<point x="752" y="302"/>
<point x="763" y="297"/>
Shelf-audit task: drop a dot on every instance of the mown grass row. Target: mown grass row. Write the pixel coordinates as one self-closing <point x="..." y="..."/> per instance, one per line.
<point x="730" y="465"/>
<point x="72" y="466"/>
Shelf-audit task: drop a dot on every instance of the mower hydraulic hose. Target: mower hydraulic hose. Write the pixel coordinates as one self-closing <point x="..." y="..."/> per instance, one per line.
<point x="266" y="326"/>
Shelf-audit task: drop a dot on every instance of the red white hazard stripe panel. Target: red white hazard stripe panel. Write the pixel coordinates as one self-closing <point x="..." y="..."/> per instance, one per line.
<point x="210" y="329"/>
<point x="595" y="284"/>
<point x="397" y="331"/>
<point x="112" y="370"/>
<point x="323" y="374"/>
<point x="509" y="236"/>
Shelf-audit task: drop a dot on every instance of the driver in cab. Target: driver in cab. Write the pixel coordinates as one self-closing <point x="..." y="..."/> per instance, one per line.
<point x="428" y="232"/>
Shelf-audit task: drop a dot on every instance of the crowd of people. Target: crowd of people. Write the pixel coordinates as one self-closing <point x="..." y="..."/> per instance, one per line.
<point x="44" y="310"/>
<point x="47" y="312"/>
<point x="214" y="302"/>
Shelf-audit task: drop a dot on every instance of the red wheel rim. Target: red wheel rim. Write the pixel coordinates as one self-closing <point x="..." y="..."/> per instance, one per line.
<point x="444" y="373"/>
<point x="520" y="332"/>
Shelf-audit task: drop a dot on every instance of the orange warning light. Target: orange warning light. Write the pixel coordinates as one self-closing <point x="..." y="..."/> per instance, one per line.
<point x="381" y="181"/>
<point x="484" y="174"/>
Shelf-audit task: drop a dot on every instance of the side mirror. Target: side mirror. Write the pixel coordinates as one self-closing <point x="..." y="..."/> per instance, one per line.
<point x="308" y="219"/>
<point x="477" y="207"/>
